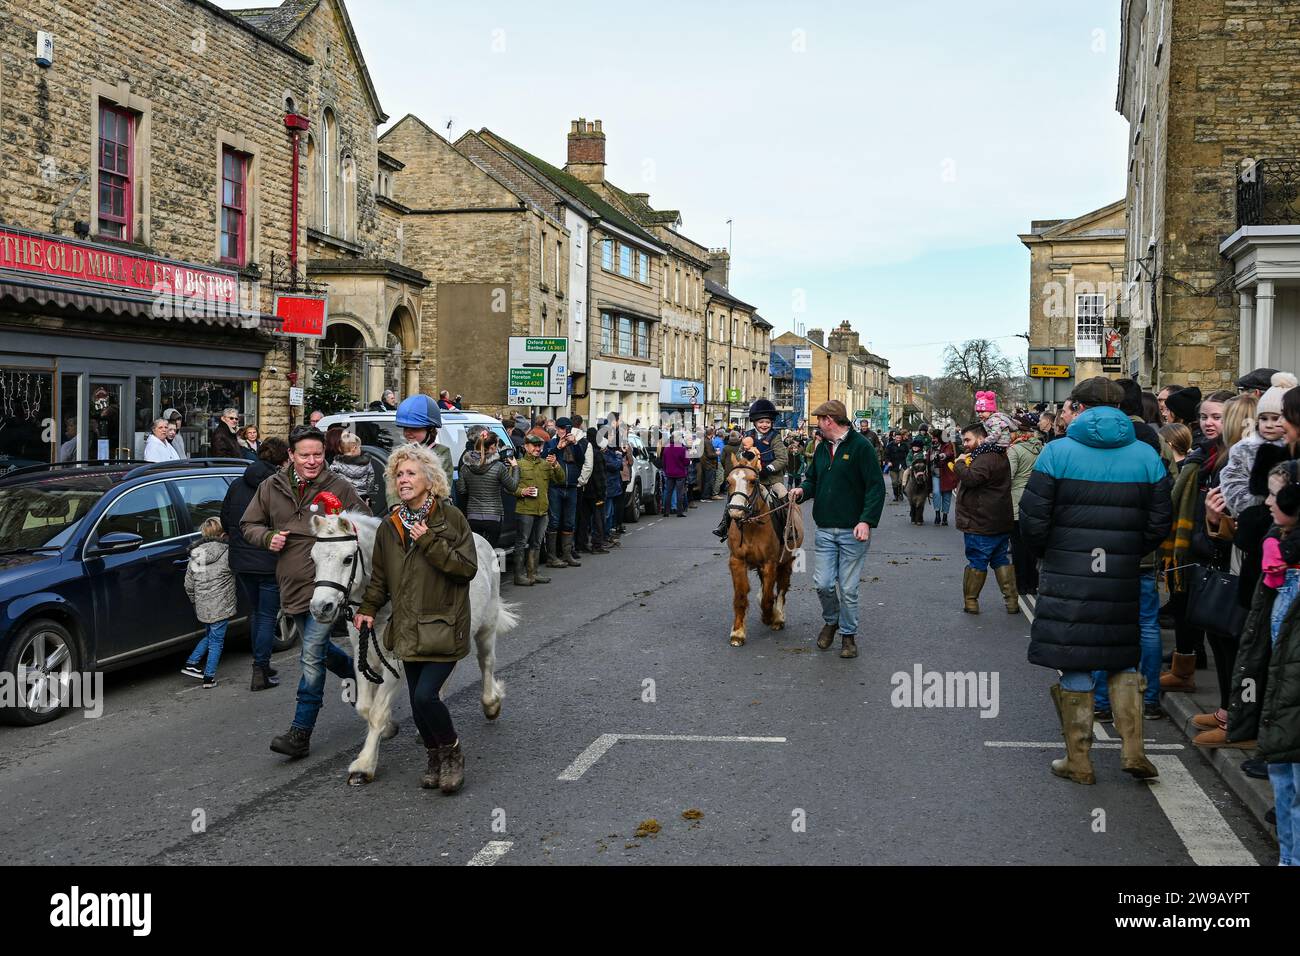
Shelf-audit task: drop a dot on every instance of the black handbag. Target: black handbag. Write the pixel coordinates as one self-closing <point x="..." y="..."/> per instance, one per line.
<point x="1212" y="601"/>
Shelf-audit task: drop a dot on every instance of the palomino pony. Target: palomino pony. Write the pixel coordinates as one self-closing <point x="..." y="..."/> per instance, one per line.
<point x="342" y="554"/>
<point x="754" y="544"/>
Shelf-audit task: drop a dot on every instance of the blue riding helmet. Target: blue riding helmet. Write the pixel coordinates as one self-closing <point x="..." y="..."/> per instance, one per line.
<point x="419" y="411"/>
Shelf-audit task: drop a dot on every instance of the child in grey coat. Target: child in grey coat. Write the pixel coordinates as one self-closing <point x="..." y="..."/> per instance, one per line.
<point x="210" y="584"/>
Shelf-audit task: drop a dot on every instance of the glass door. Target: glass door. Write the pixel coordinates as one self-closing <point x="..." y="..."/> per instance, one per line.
<point x="109" y="432"/>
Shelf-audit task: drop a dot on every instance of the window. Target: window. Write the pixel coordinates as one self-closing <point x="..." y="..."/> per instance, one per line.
<point x="677" y="286"/>
<point x="607" y="254"/>
<point x="542" y="259"/>
<point x="1089" y="319"/>
<point x="625" y="261"/>
<point x="146" y="511"/>
<point x="329" y="169"/>
<point x="234" y="205"/>
<point x="116" y="183"/>
<point x="624" y="335"/>
<point x="665" y="278"/>
<point x="559" y="251"/>
<point x="606" y="333"/>
<point x="642" y="339"/>
<point x="203" y="497"/>
<point x="27" y="435"/>
<point x="643" y="267"/>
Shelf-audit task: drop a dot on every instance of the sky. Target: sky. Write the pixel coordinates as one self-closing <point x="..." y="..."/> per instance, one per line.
<point x="877" y="160"/>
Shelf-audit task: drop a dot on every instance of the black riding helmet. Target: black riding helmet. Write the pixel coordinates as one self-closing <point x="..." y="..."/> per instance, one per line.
<point x="763" y="408"/>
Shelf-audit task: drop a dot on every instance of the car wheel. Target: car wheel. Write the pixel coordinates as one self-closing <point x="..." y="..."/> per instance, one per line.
<point x="632" y="511"/>
<point x="47" y="656"/>
<point x="286" y="634"/>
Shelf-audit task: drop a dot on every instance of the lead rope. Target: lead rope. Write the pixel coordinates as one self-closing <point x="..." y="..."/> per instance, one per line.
<point x="367" y="637"/>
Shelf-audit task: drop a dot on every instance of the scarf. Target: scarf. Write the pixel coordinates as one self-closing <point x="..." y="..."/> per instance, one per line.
<point x="298" y="484"/>
<point x="411" y="518"/>
<point x="1175" y="548"/>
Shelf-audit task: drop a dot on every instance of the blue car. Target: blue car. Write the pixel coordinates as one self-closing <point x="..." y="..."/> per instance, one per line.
<point x="92" y="570"/>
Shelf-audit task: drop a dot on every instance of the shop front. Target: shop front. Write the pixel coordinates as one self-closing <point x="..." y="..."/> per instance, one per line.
<point x="679" y="402"/>
<point x="630" y="390"/>
<point x="95" y="344"/>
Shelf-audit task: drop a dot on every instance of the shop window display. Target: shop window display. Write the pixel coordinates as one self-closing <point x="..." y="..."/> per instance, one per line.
<point x="27" y="433"/>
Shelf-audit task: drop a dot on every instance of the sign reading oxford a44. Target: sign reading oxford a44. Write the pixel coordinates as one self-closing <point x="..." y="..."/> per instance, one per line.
<point x="539" y="370"/>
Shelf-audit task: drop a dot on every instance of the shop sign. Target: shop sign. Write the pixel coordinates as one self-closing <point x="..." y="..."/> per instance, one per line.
<point x="36" y="254"/>
<point x="618" y="377"/>
<point x="303" y="315"/>
<point x="539" y="370"/>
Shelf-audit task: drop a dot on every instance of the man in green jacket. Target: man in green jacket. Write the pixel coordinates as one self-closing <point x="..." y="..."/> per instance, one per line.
<point x="532" y="510"/>
<point x="848" y="489"/>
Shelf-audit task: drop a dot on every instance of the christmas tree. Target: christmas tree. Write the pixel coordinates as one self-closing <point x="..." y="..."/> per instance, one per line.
<point x="329" y="391"/>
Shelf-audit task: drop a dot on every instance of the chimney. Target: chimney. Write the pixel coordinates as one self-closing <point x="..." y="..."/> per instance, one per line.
<point x="815" y="335"/>
<point x="586" y="161"/>
<point x="844" y="339"/>
<point x="719" y="267"/>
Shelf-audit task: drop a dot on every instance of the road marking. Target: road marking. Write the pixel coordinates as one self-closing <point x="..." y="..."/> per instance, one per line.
<point x="489" y="855"/>
<point x="1039" y="744"/>
<point x="1099" y="732"/>
<point x="82" y="724"/>
<point x="601" y="745"/>
<point x="1026" y="609"/>
<point x="1195" y="818"/>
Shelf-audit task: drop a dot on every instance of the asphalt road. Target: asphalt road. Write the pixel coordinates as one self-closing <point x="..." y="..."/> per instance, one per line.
<point x="850" y="778"/>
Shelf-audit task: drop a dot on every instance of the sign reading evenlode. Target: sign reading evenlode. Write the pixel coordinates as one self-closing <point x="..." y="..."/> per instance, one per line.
<point x="37" y="254"/>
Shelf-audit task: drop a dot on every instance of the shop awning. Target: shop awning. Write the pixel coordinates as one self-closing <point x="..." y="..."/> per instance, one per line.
<point x="29" y="294"/>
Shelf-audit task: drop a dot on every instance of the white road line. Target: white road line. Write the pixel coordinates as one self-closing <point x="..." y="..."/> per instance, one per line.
<point x="489" y="855"/>
<point x="600" y="746"/>
<point x="1026" y="609"/>
<point x="1060" y="745"/>
<point x="1198" y="823"/>
<point x="1099" y="732"/>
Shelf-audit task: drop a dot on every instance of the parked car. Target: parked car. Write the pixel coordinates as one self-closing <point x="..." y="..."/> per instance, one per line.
<point x="92" y="566"/>
<point x="645" y="486"/>
<point x="380" y="434"/>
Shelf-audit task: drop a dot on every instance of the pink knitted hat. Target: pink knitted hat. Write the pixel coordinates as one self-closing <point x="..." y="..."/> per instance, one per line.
<point x="986" y="401"/>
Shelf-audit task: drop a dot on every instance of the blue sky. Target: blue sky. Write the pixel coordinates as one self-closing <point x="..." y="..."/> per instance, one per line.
<point x="878" y="159"/>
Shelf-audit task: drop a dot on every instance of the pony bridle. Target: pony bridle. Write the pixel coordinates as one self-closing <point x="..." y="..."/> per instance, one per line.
<point x="347" y="603"/>
<point x="751" y="498"/>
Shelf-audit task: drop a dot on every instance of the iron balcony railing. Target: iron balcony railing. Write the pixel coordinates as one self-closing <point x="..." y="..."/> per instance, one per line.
<point x="1268" y="193"/>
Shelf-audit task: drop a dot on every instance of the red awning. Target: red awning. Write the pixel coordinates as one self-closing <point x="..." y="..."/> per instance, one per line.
<point x="26" y="293"/>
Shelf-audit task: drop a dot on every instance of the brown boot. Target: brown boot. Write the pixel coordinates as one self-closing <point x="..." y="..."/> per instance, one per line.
<point x="849" y="646"/>
<point x="972" y="582"/>
<point x="432" y="775"/>
<point x="533" y="577"/>
<point x="566" y="550"/>
<point x="1181" y="674"/>
<point x="1074" y="707"/>
<point x="1006" y="577"/>
<point x="521" y="569"/>
<point x="1126" y="704"/>
<point x="827" y="636"/>
<point x="452" y="776"/>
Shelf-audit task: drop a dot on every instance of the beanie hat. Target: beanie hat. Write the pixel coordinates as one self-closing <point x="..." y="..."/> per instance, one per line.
<point x="1271" y="401"/>
<point x="1183" y="402"/>
<point x="986" y="401"/>
<point x="564" y="423"/>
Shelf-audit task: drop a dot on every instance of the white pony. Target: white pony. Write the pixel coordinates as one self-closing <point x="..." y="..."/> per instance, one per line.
<point x="342" y="554"/>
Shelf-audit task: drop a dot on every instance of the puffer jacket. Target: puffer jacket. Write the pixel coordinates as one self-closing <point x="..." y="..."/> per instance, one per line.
<point x="1021" y="457"/>
<point x="366" y="476"/>
<point x="428" y="583"/>
<point x="613" y="461"/>
<point x="245" y="557"/>
<point x="1279" y="714"/>
<point x="210" y="583"/>
<point x="1096" y="503"/>
<point x="480" y="481"/>
<point x="1251" y="664"/>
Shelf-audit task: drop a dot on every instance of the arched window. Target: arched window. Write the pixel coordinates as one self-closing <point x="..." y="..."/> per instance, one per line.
<point x="328" y="170"/>
<point x="313" y="183"/>
<point x="347" y="197"/>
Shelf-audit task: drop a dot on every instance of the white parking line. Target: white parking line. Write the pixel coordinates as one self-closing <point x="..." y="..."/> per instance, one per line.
<point x="600" y="746"/>
<point x="1059" y="745"/>
<point x="1196" y="820"/>
<point x="489" y="855"/>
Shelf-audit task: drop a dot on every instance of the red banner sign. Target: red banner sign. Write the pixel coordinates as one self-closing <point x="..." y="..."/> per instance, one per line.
<point x="36" y="254"/>
<point x="303" y="314"/>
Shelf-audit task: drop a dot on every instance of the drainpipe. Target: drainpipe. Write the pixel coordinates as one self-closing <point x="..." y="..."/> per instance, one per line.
<point x="295" y="123"/>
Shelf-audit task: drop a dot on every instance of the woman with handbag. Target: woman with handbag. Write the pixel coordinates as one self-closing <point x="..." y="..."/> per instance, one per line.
<point x="424" y="561"/>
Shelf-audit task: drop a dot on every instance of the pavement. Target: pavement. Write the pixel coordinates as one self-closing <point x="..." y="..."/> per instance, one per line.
<point x="632" y="733"/>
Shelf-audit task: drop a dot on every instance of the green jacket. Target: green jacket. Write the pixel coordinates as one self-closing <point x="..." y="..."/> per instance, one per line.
<point x="848" y="490"/>
<point x="428" y="584"/>
<point x="536" y="471"/>
<point x="1021" y="457"/>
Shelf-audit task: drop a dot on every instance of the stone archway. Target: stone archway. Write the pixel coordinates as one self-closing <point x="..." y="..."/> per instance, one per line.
<point x="344" y="344"/>
<point x="403" y="345"/>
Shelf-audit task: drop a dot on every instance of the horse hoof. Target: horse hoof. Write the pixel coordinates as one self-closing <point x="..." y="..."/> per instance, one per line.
<point x="737" y="640"/>
<point x="778" y="625"/>
<point x="391" y="730"/>
<point x="493" y="710"/>
<point x="359" y="778"/>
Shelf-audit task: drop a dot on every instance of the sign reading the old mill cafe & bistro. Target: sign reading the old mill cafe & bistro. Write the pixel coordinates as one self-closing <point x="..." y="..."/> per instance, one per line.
<point x="53" y="257"/>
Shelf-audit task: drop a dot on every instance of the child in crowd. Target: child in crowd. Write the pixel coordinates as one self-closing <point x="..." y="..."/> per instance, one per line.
<point x="210" y="584"/>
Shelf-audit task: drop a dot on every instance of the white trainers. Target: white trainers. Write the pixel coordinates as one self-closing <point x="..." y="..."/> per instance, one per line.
<point x="190" y="670"/>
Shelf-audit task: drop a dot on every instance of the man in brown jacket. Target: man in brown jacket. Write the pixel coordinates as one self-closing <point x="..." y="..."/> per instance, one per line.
<point x="984" y="515"/>
<point x="279" y="519"/>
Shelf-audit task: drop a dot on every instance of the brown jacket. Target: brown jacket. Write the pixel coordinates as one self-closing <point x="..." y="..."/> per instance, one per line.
<point x="274" y="508"/>
<point x="428" y="585"/>
<point x="984" y="495"/>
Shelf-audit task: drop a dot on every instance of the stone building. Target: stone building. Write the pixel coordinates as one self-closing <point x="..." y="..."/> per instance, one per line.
<point x="1209" y="88"/>
<point x="1076" y="285"/>
<point x="868" y="375"/>
<point x="496" y="261"/>
<point x="738" y="340"/>
<point x="829" y="376"/>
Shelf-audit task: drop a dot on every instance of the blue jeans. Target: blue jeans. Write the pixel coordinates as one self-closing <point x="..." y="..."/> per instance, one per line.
<point x="611" y="511"/>
<point x="1285" y="778"/>
<point x="674" y="489"/>
<point x="211" y="644"/>
<point x="1087" y="680"/>
<point x="264" y="609"/>
<point x="1149" y="625"/>
<point x="942" y="499"/>
<point x="984" y="551"/>
<point x="319" y="654"/>
<point x="563" y="506"/>
<point x="840" y="558"/>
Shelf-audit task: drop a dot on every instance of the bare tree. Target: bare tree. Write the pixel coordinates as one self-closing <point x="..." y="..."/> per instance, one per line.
<point x="978" y="365"/>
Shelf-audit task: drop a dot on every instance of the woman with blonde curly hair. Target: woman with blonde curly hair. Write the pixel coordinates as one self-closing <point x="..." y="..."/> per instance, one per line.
<point x="424" y="561"/>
